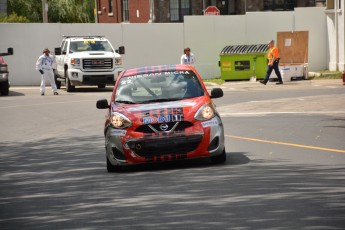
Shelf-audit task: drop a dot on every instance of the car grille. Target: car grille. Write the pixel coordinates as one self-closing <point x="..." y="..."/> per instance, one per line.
<point x="181" y="126"/>
<point x="164" y="146"/>
<point x="100" y="63"/>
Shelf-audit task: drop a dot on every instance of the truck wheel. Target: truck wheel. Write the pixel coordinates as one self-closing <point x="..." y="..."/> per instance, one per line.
<point x="101" y="86"/>
<point x="58" y="83"/>
<point x="4" y="88"/>
<point x="69" y="87"/>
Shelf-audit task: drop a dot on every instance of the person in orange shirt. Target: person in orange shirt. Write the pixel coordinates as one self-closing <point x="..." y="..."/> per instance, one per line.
<point x="273" y="64"/>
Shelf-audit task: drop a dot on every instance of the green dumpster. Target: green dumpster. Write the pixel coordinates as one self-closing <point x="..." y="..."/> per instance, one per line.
<point x="241" y="62"/>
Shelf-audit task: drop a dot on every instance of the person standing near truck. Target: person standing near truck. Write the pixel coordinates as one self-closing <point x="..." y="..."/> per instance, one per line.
<point x="45" y="65"/>
<point x="187" y="58"/>
<point x="273" y="64"/>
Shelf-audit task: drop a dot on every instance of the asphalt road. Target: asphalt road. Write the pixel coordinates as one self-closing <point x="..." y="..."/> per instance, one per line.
<point x="285" y="168"/>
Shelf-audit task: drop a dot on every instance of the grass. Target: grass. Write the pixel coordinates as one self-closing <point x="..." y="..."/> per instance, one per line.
<point x="215" y="80"/>
<point x="326" y="74"/>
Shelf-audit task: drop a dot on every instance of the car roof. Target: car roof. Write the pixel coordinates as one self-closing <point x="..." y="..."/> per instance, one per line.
<point x="158" y="68"/>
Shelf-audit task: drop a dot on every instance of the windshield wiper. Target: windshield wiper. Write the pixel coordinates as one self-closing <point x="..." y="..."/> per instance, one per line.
<point x="125" y="102"/>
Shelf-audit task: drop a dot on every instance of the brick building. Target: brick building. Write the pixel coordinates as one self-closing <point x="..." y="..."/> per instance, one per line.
<point x="3" y="6"/>
<point x="160" y="11"/>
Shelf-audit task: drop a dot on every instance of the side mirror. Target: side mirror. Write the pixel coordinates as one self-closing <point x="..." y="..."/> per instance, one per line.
<point x="121" y="50"/>
<point x="217" y="93"/>
<point x="102" y="104"/>
<point x="10" y="51"/>
<point x="57" y="51"/>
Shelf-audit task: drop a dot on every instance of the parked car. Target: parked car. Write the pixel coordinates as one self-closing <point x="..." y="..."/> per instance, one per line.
<point x="4" y="73"/>
<point x="161" y="113"/>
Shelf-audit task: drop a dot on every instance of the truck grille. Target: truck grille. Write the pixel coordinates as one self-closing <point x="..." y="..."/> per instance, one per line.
<point x="98" y="64"/>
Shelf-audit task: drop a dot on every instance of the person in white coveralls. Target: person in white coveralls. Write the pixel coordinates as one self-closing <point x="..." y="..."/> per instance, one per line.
<point x="45" y="65"/>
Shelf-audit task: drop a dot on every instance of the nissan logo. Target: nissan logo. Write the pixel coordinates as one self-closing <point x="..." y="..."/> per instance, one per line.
<point x="164" y="127"/>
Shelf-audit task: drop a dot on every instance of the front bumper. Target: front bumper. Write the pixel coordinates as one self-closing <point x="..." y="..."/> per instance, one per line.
<point x="127" y="147"/>
<point x="79" y="77"/>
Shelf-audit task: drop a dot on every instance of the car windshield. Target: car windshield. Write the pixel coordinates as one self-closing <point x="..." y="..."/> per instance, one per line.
<point x="90" y="45"/>
<point x="158" y="87"/>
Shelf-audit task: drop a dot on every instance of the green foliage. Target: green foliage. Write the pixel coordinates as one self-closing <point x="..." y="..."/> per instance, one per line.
<point x="64" y="11"/>
<point x="30" y="9"/>
<point x="12" y="18"/>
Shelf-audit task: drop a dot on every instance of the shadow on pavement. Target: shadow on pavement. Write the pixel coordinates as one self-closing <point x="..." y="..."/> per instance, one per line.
<point x="62" y="183"/>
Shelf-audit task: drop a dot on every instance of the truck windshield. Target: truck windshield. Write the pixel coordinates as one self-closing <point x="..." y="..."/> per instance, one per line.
<point x="90" y="45"/>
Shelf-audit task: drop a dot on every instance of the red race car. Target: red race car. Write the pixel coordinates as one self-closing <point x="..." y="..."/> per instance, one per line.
<point x="161" y="113"/>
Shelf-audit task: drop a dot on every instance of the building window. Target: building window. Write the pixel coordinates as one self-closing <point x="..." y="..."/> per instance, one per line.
<point x="99" y="6"/>
<point x="125" y="11"/>
<point x="110" y="6"/>
<point x="178" y="9"/>
<point x="283" y="5"/>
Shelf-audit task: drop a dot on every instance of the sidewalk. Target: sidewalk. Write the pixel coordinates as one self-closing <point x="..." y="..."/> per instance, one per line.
<point x="252" y="85"/>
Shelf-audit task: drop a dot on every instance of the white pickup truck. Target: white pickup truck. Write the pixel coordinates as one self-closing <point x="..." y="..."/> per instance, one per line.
<point x="87" y="60"/>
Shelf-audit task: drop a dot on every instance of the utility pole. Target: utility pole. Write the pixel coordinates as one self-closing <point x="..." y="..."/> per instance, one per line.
<point x="45" y="11"/>
<point x="95" y="11"/>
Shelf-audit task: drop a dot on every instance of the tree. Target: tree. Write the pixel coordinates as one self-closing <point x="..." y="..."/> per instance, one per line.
<point x="30" y="9"/>
<point x="65" y="11"/>
<point x="12" y="18"/>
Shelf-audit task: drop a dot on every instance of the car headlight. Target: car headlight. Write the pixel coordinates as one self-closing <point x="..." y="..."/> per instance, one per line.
<point x="118" y="61"/>
<point x="119" y="121"/>
<point x="205" y="112"/>
<point x="75" y="61"/>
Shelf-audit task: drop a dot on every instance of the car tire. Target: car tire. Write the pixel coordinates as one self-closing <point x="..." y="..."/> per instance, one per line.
<point x="4" y="88"/>
<point x="101" y="86"/>
<point x="219" y="159"/>
<point x="112" y="168"/>
<point x="69" y="87"/>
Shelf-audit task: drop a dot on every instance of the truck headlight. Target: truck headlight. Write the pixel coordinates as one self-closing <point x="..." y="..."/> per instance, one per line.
<point x="118" y="61"/>
<point x="119" y="121"/>
<point x="205" y="112"/>
<point x="75" y="61"/>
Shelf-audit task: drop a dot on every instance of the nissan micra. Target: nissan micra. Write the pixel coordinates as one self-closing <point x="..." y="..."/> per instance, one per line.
<point x="161" y="113"/>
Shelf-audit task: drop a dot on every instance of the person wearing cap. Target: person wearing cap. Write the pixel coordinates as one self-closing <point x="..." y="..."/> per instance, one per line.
<point x="273" y="64"/>
<point x="187" y="58"/>
<point x="45" y="65"/>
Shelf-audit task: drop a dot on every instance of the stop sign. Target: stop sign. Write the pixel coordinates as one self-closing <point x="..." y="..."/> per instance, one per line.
<point x="212" y="10"/>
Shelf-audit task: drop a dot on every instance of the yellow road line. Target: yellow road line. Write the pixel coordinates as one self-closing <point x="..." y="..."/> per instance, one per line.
<point x="287" y="144"/>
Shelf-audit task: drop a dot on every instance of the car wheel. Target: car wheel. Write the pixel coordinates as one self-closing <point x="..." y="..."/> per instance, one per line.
<point x="101" y="86"/>
<point x="112" y="168"/>
<point x="4" y="88"/>
<point x="69" y="87"/>
<point x="219" y="159"/>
